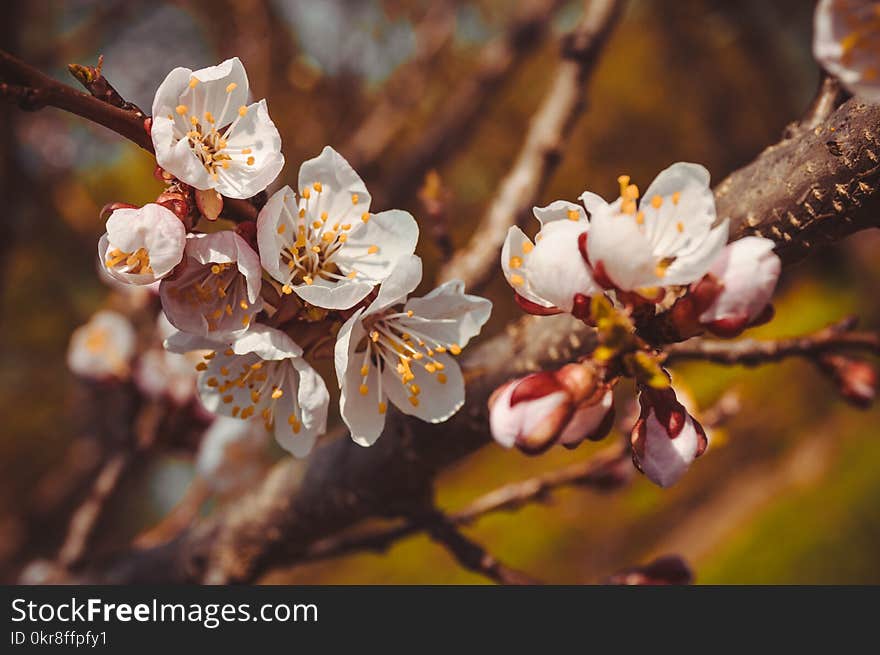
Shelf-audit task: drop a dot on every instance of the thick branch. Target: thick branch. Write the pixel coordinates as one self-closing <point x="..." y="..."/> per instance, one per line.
<point x="543" y="147"/>
<point x="751" y="352"/>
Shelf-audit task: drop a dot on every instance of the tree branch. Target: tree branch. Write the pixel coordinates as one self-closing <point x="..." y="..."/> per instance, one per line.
<point x="839" y="337"/>
<point x="542" y="149"/>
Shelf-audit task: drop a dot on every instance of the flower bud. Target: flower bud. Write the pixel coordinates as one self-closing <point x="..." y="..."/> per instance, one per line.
<point x="669" y="570"/>
<point x="103" y="347"/>
<point x="665" y="439"/>
<point x="540" y="410"/>
<point x="746" y="273"/>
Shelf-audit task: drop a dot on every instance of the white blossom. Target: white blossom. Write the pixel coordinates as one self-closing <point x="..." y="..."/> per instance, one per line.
<point x="746" y="271"/>
<point x="103" y="347"/>
<point x="216" y="288"/>
<point x="550" y="272"/>
<point x="160" y="373"/>
<point x="206" y="135"/>
<point x="405" y="355"/>
<point x="667" y="239"/>
<point x="232" y="455"/>
<point x="325" y="245"/>
<point x="261" y="374"/>
<point x="142" y="245"/>
<point x="846" y="41"/>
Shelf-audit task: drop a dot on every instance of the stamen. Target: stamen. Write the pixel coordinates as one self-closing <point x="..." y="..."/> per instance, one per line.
<point x="232" y="86"/>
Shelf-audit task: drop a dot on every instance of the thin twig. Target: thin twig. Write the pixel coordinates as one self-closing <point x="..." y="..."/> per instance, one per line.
<point x="751" y="352"/>
<point x="474" y="557"/>
<point x="542" y="149"/>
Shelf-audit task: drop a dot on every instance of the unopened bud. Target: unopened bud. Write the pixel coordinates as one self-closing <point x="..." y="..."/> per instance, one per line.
<point x="540" y="410"/>
<point x="210" y="203"/>
<point x="666" y="439"/>
<point x="669" y="570"/>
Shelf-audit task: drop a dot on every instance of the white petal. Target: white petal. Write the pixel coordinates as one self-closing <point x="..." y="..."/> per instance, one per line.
<point x="333" y="294"/>
<point x="278" y="210"/>
<point x="555" y="269"/>
<point x="255" y="131"/>
<point x="616" y="243"/>
<point x="679" y="177"/>
<point x="593" y="202"/>
<point x="395" y="234"/>
<point x="184" y="342"/>
<point x="266" y="342"/>
<point x="339" y="184"/>
<point x="360" y="412"/>
<point x="452" y="315"/>
<point x="176" y="156"/>
<point x="666" y="460"/>
<point x="152" y="227"/>
<point x="513" y="247"/>
<point x="398" y="285"/>
<point x="436" y="401"/>
<point x="691" y="267"/>
<point x="312" y="403"/>
<point x="748" y="270"/>
<point x="559" y="210"/>
<point x="586" y="420"/>
<point x="168" y="94"/>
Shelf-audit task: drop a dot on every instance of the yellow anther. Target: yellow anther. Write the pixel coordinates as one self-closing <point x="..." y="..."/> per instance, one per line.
<point x="352" y="275"/>
<point x="374" y="336"/>
<point x="242" y="111"/>
<point x="308" y="280"/>
<point x="286" y="290"/>
<point x="255" y="397"/>
<point x="414" y="401"/>
<point x="455" y="349"/>
<point x="256" y="366"/>
<point x="250" y="161"/>
<point x="410" y="313"/>
<point x="228" y="310"/>
<point x="277" y="394"/>
<point x="181" y="110"/>
<point x="365" y="369"/>
<point x="640" y="218"/>
<point x="527" y="247"/>
<point x="302" y="212"/>
<point x="215" y="269"/>
<point x="193" y="82"/>
<point x="517" y="280"/>
<point x="631" y="192"/>
<point x="245" y="321"/>
<point x="316" y="225"/>
<point x="281" y="228"/>
<point x="227" y="399"/>
<point x="235" y="410"/>
<point x="246" y="151"/>
<point x="247" y="412"/>
<point x="243" y="304"/>
<point x="212" y="382"/>
<point x="317" y="187"/>
<point x="431" y="367"/>
<point x="354" y="198"/>
<point x="372" y="250"/>
<point x="201" y="366"/>
<point x="209" y="117"/>
<point x="515" y="262"/>
<point x="223" y="370"/>
<point x="628" y="207"/>
<point x="676" y="197"/>
<point x="573" y="215"/>
<point x="306" y="193"/>
<point x="414" y="388"/>
<point x="383" y="408"/>
<point x="315" y="249"/>
<point x="231" y="87"/>
<point x="365" y="217"/>
<point x="679" y="226"/>
<point x="328" y="236"/>
<point x="323" y="217"/>
<point x="343" y="238"/>
<point x="656" y="202"/>
<point x="623" y="181"/>
<point x="441" y="378"/>
<point x="364" y="389"/>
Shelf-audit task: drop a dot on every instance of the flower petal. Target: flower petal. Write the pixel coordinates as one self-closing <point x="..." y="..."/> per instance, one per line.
<point x="250" y="173"/>
<point x="342" y="194"/>
<point x="448" y="314"/>
<point x="436" y="401"/>
<point x="560" y="210"/>
<point x="375" y="248"/>
<point x="398" y="285"/>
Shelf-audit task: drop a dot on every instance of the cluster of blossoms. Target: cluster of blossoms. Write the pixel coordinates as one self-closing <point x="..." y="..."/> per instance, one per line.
<point x="256" y="304"/>
<point x="652" y="256"/>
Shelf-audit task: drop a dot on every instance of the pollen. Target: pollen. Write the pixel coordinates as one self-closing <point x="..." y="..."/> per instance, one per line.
<point x="364" y="370"/>
<point x="286" y="290"/>
<point x="383" y="408"/>
<point x="374" y="336"/>
<point x="414" y="388"/>
<point x="277" y="394"/>
<point x="364" y="389"/>
<point x="441" y="378"/>
<point x="372" y="250"/>
<point x="250" y="161"/>
<point x="227" y="399"/>
<point x="193" y="82"/>
<point x="243" y="304"/>
<point x="281" y="228"/>
<point x="201" y="366"/>
<point x="623" y="181"/>
<point x="414" y="401"/>
<point x="209" y="117"/>
<point x="242" y="111"/>
<point x="181" y="110"/>
<point x="365" y="217"/>
<point x="573" y="215"/>
<point x="676" y="197"/>
<point x="246" y="151"/>
<point x="640" y="218"/>
<point x="516" y="262"/>
<point x="679" y="226"/>
<point x="455" y="349"/>
<point x="517" y="280"/>
<point x="527" y="247"/>
<point x="354" y="198"/>
<point x="232" y="86"/>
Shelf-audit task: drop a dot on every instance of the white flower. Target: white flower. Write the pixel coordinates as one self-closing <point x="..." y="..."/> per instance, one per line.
<point x="550" y="273"/>
<point x="142" y="245"/>
<point x="326" y="247"/>
<point x="551" y="407"/>
<point x="666" y="240"/>
<point x="846" y="41"/>
<point x="206" y="136"/>
<point x="666" y="439"/>
<point x="103" y="347"/>
<point x="231" y="455"/>
<point x="160" y="373"/>
<point x="404" y="355"/>
<point x="216" y="289"/>
<point x="262" y="374"/>
<point x="746" y="271"/>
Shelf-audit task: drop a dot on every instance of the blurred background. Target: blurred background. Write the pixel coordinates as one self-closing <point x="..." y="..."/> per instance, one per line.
<point x="789" y="492"/>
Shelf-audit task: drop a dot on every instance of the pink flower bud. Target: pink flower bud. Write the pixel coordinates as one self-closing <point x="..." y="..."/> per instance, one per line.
<point x="665" y="439"/>
<point x="540" y="410"/>
<point x="746" y="271"/>
<point x="856" y="379"/>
